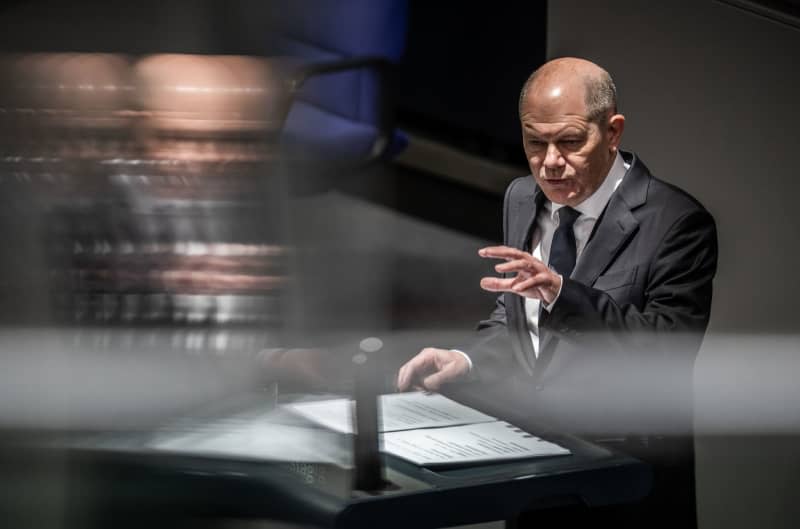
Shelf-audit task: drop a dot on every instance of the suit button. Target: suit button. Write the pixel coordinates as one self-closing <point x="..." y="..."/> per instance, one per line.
<point x="539" y="387"/>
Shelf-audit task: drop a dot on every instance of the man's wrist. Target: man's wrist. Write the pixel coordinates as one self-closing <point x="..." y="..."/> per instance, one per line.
<point x="549" y="306"/>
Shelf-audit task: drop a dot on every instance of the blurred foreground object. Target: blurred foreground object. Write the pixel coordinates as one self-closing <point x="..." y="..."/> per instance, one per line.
<point x="143" y="214"/>
<point x="141" y="193"/>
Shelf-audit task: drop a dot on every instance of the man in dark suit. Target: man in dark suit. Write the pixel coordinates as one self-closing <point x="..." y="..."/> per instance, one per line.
<point x="606" y="287"/>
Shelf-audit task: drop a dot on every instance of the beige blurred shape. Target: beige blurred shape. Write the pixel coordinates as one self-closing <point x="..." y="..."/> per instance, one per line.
<point x="194" y="93"/>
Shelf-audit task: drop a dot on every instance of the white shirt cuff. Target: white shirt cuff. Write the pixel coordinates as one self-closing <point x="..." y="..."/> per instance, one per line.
<point x="469" y="360"/>
<point x="550" y="306"/>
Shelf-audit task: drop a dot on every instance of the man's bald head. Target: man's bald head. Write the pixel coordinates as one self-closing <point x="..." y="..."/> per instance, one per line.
<point x="600" y="93"/>
<point x="570" y="128"/>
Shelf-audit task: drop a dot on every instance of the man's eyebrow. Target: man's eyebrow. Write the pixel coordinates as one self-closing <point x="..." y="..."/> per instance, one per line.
<point x="570" y="131"/>
<point x="528" y="127"/>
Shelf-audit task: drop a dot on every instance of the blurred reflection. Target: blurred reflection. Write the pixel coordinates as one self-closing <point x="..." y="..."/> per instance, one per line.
<point x="149" y="189"/>
<point x="146" y="251"/>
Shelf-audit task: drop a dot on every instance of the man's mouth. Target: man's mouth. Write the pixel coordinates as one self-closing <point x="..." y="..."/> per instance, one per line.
<point x="557" y="182"/>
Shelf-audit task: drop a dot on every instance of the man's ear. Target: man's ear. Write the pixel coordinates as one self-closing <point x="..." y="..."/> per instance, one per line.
<point x="616" y="125"/>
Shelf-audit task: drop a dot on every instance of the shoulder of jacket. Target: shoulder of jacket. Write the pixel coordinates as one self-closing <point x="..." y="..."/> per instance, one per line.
<point x="520" y="185"/>
<point x="678" y="199"/>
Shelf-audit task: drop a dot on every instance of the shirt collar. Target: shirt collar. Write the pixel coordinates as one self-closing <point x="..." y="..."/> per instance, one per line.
<point x="593" y="207"/>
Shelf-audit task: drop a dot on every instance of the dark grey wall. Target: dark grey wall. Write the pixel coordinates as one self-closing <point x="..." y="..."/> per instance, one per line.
<point x="710" y="93"/>
<point x="711" y="99"/>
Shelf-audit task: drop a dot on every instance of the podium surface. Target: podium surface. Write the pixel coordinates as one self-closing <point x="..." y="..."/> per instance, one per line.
<point x="121" y="476"/>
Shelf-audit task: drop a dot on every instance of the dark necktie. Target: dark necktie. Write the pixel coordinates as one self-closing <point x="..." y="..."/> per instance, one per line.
<point x="563" y="253"/>
<point x="563" y="250"/>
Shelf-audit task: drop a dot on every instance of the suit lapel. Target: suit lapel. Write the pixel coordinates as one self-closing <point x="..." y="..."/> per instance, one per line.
<point x="530" y="203"/>
<point x="615" y="226"/>
<point x="519" y="236"/>
<point x="613" y="230"/>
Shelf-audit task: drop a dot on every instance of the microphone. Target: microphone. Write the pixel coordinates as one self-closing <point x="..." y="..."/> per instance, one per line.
<point x="368" y="471"/>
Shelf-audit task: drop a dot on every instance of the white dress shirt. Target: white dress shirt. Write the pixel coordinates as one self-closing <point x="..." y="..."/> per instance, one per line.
<point x="546" y="224"/>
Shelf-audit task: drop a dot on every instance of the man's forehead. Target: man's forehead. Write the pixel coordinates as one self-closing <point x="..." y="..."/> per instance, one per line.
<point x="551" y="126"/>
<point x="567" y="95"/>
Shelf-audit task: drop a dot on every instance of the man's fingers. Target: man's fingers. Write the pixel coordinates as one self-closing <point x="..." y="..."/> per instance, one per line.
<point x="423" y="362"/>
<point x="410" y="369"/>
<point x="402" y="379"/>
<point x="431" y="368"/>
<point x="529" y="264"/>
<point x="448" y="373"/>
<point x="497" y="284"/>
<point x="407" y="374"/>
<point x="531" y="282"/>
<point x="433" y="382"/>
<point x="502" y="252"/>
<point x="523" y="283"/>
<point x="513" y="266"/>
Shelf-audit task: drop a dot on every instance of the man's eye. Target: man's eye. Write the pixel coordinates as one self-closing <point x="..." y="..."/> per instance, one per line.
<point x="571" y="144"/>
<point x="535" y="143"/>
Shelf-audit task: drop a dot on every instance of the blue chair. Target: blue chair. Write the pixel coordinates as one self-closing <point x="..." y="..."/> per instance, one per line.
<point x="341" y="106"/>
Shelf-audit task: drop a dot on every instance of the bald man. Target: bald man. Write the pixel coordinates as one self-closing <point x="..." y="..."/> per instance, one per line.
<point x="606" y="282"/>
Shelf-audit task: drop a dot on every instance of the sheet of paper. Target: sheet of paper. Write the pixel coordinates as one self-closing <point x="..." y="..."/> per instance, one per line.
<point x="472" y="443"/>
<point x="406" y="411"/>
<point x="253" y="436"/>
<point x="333" y="414"/>
<point x="399" y="411"/>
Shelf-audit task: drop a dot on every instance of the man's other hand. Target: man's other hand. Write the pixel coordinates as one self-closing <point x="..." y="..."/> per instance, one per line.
<point x="432" y="368"/>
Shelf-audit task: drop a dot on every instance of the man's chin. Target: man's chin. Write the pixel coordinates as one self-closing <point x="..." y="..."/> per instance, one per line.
<point x="560" y="194"/>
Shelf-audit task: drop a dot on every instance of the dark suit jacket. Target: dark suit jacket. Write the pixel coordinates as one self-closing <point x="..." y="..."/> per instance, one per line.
<point x="618" y="348"/>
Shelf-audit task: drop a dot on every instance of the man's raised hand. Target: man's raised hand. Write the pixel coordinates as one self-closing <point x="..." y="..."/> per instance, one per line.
<point x="533" y="278"/>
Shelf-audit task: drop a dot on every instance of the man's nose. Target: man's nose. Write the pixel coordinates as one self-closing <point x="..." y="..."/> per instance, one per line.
<point x="552" y="159"/>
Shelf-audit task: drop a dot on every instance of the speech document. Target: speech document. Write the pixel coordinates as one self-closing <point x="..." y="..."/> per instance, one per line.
<point x="432" y="430"/>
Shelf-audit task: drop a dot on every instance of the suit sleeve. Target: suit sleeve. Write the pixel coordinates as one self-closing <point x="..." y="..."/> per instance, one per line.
<point x="492" y="351"/>
<point x="677" y="296"/>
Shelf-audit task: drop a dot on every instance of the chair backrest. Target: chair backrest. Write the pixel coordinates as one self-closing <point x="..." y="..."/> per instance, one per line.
<point x="326" y="31"/>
